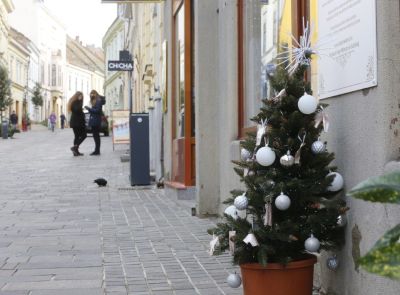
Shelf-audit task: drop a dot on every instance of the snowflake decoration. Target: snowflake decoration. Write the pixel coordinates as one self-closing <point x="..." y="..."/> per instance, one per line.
<point x="300" y="52"/>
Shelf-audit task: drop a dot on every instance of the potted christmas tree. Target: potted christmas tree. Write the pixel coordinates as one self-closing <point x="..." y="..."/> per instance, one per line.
<point x="290" y="208"/>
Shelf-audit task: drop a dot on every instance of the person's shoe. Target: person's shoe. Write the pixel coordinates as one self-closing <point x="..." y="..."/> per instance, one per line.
<point x="95" y="154"/>
<point x="79" y="153"/>
<point x="74" y="150"/>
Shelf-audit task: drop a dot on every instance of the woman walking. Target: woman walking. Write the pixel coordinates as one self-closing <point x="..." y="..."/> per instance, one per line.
<point x="77" y="121"/>
<point x="95" y="119"/>
<point x="53" y="120"/>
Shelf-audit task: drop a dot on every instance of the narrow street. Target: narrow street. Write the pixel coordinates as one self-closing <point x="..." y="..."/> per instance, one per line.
<point x="61" y="234"/>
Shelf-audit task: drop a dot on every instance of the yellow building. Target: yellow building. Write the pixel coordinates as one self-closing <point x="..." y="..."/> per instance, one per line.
<point x="18" y="63"/>
<point x="144" y="40"/>
<point x="6" y="7"/>
<point x="146" y="47"/>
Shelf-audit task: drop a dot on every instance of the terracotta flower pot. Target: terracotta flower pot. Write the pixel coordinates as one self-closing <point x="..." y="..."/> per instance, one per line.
<point x="296" y="278"/>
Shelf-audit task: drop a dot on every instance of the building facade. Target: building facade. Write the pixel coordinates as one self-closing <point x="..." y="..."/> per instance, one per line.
<point x="144" y="35"/>
<point x="219" y="53"/>
<point x="34" y="112"/>
<point x="84" y="70"/>
<point x="18" y="56"/>
<point x="114" y="84"/>
<point x="35" y="21"/>
<point x="6" y="7"/>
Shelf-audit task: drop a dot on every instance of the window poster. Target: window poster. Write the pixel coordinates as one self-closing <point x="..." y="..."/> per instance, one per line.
<point x="120" y="126"/>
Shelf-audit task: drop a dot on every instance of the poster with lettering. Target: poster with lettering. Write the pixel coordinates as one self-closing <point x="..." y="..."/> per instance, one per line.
<point x="120" y="126"/>
<point x="347" y="38"/>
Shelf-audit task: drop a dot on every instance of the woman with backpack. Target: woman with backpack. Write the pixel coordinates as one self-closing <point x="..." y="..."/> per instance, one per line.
<point x="95" y="111"/>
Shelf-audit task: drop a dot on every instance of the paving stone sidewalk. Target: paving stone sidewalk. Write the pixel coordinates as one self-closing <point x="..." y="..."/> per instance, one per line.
<point x="61" y="234"/>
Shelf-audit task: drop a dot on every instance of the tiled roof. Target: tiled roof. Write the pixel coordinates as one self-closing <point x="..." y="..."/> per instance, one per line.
<point x="19" y="37"/>
<point x="87" y="57"/>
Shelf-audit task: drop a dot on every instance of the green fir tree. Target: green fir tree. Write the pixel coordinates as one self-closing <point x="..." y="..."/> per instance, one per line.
<point x="37" y="98"/>
<point x="5" y="91"/>
<point x="314" y="208"/>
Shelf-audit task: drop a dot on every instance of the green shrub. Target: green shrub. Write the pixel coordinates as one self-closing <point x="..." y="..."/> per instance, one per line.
<point x="384" y="258"/>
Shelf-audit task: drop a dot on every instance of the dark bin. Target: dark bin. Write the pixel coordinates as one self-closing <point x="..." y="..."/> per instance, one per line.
<point x="140" y="154"/>
<point x="4" y="129"/>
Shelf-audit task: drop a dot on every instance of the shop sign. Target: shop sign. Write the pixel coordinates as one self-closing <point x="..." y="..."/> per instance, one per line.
<point x="120" y="65"/>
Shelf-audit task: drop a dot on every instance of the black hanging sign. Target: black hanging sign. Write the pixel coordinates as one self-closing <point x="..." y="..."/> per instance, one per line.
<point x="131" y="1"/>
<point x="120" y="65"/>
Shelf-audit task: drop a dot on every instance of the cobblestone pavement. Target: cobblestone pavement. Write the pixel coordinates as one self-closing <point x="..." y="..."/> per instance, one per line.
<point x="61" y="234"/>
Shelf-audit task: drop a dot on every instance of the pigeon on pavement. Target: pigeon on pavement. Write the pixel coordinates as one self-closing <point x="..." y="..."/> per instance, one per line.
<point x="101" y="181"/>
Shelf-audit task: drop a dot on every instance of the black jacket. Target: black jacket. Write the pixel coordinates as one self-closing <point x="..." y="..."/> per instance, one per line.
<point x="77" y="116"/>
<point x="95" y="113"/>
<point x="14" y="119"/>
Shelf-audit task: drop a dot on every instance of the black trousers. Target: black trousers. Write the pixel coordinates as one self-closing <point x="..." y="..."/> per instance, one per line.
<point x="96" y="137"/>
<point x="80" y="135"/>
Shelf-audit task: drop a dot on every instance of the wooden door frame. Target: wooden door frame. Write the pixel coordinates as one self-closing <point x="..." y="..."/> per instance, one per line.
<point x="188" y="140"/>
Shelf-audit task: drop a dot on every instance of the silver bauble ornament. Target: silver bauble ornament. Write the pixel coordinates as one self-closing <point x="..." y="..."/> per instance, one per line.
<point x="287" y="160"/>
<point x="232" y="211"/>
<point x="318" y="147"/>
<point x="265" y="156"/>
<point x="312" y="244"/>
<point x="245" y="154"/>
<point x="307" y="104"/>
<point x="342" y="220"/>
<point x="337" y="182"/>
<point x="251" y="173"/>
<point x="270" y="183"/>
<point x="241" y="202"/>
<point x="234" y="280"/>
<point x="282" y="202"/>
<point x="332" y="263"/>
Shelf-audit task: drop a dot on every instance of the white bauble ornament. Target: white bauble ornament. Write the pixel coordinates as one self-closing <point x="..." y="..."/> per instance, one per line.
<point x="251" y="239"/>
<point x="232" y="211"/>
<point x="287" y="160"/>
<point x="307" y="104"/>
<point x="342" y="220"/>
<point x="245" y="154"/>
<point x="337" y="182"/>
<point x="241" y="202"/>
<point x="318" y="147"/>
<point x="282" y="202"/>
<point x="265" y="156"/>
<point x="312" y="244"/>
<point x="332" y="263"/>
<point x="234" y="280"/>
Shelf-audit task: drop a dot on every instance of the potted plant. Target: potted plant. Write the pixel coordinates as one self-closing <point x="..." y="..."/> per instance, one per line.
<point x="290" y="208"/>
<point x="384" y="258"/>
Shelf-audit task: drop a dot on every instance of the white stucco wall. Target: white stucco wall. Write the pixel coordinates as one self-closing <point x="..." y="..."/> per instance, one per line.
<point x="364" y="136"/>
<point x="207" y="106"/>
<point x="168" y="115"/>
